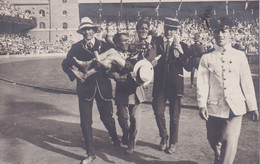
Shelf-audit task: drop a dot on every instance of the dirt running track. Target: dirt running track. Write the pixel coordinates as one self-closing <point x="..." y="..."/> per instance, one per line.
<point x="42" y="127"/>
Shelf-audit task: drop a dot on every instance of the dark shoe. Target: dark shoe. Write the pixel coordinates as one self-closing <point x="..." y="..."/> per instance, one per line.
<point x="171" y="149"/>
<point x="129" y="150"/>
<point x="117" y="145"/>
<point x="88" y="159"/>
<point x="163" y="144"/>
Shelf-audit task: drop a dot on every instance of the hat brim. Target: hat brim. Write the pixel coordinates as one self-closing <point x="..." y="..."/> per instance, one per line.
<point x="80" y="30"/>
<point x="172" y="26"/>
<point x="146" y="63"/>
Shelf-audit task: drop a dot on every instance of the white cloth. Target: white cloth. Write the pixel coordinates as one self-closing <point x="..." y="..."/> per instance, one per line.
<point x="224" y="82"/>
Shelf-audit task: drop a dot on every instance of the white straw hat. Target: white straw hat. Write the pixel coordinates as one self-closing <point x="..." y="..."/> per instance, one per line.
<point x="86" y="22"/>
<point x="144" y="72"/>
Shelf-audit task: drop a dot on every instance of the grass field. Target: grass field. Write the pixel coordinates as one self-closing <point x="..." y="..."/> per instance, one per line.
<point x="48" y="73"/>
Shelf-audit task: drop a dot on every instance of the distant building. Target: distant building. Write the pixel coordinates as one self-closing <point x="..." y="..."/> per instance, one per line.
<point x="59" y="19"/>
<point x="56" y="19"/>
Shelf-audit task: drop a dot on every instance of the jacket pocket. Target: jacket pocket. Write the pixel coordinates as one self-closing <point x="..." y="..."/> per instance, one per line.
<point x="213" y="101"/>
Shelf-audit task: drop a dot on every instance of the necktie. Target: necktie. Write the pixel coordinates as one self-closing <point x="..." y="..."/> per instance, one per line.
<point x="167" y="55"/>
<point x="167" y="49"/>
<point x="89" y="45"/>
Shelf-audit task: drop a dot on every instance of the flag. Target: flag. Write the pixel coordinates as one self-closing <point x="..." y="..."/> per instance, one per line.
<point x="246" y="6"/>
<point x="226" y="7"/>
<point x="180" y="6"/>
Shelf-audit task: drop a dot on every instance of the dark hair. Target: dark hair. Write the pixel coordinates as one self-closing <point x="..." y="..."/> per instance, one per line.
<point x="221" y="22"/>
<point x="116" y="38"/>
<point x="142" y="21"/>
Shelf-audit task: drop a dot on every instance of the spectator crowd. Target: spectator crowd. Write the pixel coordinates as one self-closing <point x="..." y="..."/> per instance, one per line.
<point x="245" y="36"/>
<point x="14" y="44"/>
<point x="8" y="9"/>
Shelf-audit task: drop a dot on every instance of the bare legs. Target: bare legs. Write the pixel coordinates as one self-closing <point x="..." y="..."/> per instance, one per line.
<point x="104" y="60"/>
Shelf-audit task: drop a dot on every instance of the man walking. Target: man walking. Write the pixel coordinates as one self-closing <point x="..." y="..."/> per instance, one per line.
<point x="168" y="81"/>
<point x="224" y="88"/>
<point x="96" y="87"/>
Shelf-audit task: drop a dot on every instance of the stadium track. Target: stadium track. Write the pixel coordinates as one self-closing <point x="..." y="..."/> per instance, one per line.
<point x="43" y="127"/>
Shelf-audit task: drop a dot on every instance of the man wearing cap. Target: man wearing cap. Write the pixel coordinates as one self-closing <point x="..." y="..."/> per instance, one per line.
<point x="168" y="81"/>
<point x="197" y="50"/>
<point x="96" y="87"/>
<point x="224" y="89"/>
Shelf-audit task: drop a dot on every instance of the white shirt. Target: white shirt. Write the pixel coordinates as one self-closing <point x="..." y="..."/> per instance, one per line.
<point x="92" y="41"/>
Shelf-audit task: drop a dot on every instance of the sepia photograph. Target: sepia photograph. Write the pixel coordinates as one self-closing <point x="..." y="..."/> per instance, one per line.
<point x="129" y="82"/>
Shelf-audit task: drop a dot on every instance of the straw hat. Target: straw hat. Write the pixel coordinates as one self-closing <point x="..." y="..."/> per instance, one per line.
<point x="171" y="22"/>
<point x="86" y="22"/>
<point x="144" y="72"/>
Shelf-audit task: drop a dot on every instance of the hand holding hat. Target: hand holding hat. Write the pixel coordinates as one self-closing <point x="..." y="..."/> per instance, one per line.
<point x="143" y="72"/>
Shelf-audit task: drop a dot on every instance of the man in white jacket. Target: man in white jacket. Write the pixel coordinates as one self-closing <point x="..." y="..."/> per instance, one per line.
<point x="225" y="91"/>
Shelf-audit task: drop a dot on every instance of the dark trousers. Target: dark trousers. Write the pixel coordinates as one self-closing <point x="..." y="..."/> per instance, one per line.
<point x="192" y="75"/>
<point x="159" y="103"/>
<point x="129" y="120"/>
<point x="105" y="109"/>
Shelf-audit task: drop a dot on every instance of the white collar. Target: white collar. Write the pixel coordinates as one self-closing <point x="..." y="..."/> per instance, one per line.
<point x="165" y="39"/>
<point x="91" y="41"/>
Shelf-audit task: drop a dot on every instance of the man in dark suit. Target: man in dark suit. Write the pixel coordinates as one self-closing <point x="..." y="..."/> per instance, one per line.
<point x="197" y="50"/>
<point x="96" y="87"/>
<point x="168" y="81"/>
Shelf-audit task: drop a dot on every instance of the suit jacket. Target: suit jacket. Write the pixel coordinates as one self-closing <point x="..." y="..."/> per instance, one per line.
<point x="127" y="91"/>
<point x="95" y="83"/>
<point x="172" y="75"/>
<point x="224" y="83"/>
<point x="196" y="50"/>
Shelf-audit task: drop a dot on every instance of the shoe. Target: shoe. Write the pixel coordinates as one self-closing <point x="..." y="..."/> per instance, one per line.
<point x="88" y="159"/>
<point x="171" y="149"/>
<point x="163" y="144"/>
<point x="117" y="145"/>
<point x="129" y="150"/>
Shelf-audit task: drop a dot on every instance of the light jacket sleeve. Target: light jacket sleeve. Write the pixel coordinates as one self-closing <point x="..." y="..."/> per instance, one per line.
<point x="203" y="82"/>
<point x="247" y="84"/>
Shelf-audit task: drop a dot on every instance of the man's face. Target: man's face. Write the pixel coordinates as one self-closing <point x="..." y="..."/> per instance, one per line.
<point x="169" y="32"/>
<point x="88" y="33"/>
<point x="222" y="37"/>
<point x="143" y="31"/>
<point x="123" y="43"/>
